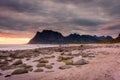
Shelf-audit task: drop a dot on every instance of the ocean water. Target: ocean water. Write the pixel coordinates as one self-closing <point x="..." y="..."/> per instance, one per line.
<point x="24" y="46"/>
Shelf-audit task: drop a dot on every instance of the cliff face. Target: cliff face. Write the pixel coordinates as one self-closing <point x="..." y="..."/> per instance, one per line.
<point x="53" y="37"/>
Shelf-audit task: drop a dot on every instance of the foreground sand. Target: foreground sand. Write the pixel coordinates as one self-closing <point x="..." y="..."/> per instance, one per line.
<point x="104" y="66"/>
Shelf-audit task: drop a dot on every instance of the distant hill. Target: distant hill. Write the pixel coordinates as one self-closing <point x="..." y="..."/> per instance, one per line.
<point x="53" y="37"/>
<point x="116" y="40"/>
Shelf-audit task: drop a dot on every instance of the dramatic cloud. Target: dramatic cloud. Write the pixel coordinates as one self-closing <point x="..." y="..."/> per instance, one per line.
<point x="67" y="16"/>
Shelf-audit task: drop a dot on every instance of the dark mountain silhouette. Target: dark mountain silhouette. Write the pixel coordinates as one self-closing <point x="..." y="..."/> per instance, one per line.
<point x="53" y="37"/>
<point x="116" y="40"/>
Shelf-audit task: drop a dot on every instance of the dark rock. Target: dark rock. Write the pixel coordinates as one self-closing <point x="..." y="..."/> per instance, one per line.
<point x="19" y="71"/>
<point x="64" y="67"/>
<point x="17" y="62"/>
<point x="8" y="76"/>
<point x="38" y="70"/>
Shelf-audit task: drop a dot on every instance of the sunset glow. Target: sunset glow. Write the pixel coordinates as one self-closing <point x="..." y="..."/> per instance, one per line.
<point x="4" y="40"/>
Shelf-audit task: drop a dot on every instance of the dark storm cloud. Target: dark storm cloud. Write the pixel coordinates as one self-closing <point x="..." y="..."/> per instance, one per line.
<point x="111" y="7"/>
<point x="11" y="24"/>
<point x="74" y="1"/>
<point x="18" y="5"/>
<point x="112" y="26"/>
<point x="85" y="22"/>
<point x="64" y="15"/>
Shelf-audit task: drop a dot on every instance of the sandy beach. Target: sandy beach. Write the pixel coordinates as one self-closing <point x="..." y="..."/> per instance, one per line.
<point x="81" y="62"/>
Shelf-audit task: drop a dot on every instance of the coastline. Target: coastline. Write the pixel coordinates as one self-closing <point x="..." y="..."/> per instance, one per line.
<point x="103" y="65"/>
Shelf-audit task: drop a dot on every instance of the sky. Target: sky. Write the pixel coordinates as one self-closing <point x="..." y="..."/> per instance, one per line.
<point x="21" y="19"/>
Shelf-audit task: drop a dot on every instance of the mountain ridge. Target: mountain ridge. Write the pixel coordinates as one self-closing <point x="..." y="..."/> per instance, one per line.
<point x="116" y="40"/>
<point x="54" y="37"/>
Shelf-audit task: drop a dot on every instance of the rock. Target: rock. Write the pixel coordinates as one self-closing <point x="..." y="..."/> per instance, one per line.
<point x="1" y="74"/>
<point x="42" y="60"/>
<point x="64" y="67"/>
<point x="48" y="57"/>
<point x="68" y="62"/>
<point x="62" y="53"/>
<point x="28" y="66"/>
<point x="19" y="71"/>
<point x="29" y="69"/>
<point x="52" y="63"/>
<point x="48" y="66"/>
<point x="5" y="67"/>
<point x="38" y="70"/>
<point x="40" y="65"/>
<point x="80" y="62"/>
<point x="4" y="62"/>
<point x="84" y="54"/>
<point x="8" y="76"/>
<point x="17" y="62"/>
<point x="22" y="65"/>
<point x="61" y="58"/>
<point x="27" y="59"/>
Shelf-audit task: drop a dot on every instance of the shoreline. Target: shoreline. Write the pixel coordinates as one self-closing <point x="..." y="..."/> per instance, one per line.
<point x="100" y="60"/>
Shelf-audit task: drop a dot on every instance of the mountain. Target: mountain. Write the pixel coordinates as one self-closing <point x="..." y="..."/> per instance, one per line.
<point x="47" y="37"/>
<point x="53" y="37"/>
<point x="116" y="40"/>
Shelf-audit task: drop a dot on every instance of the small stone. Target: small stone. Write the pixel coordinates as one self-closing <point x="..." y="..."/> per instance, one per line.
<point x="42" y="60"/>
<point x="64" y="67"/>
<point x="19" y="71"/>
<point x="1" y="74"/>
<point x="81" y="62"/>
<point x="38" y="70"/>
<point x="48" y="66"/>
<point x="68" y="62"/>
<point x="40" y="65"/>
<point x="17" y="62"/>
<point x="8" y="76"/>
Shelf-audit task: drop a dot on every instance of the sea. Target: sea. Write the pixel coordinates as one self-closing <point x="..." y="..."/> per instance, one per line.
<point x="24" y="46"/>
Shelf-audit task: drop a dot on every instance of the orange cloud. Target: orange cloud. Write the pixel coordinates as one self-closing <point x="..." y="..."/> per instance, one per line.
<point x="14" y="37"/>
<point x="15" y="34"/>
<point x="4" y="40"/>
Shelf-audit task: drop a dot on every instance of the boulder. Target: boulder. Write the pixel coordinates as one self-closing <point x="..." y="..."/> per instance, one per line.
<point x="81" y="62"/>
<point x="40" y="65"/>
<point x="48" y="66"/>
<point x="38" y="70"/>
<point x="64" y="67"/>
<point x="17" y="62"/>
<point x="19" y="71"/>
